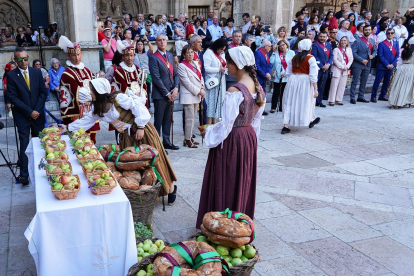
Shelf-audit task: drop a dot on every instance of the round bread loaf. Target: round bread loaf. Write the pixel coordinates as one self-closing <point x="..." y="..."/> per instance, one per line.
<point x="128" y="183"/>
<point x="220" y="224"/>
<point x="224" y="240"/>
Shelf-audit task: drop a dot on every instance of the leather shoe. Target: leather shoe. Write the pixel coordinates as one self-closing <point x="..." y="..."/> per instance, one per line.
<point x="317" y="104"/>
<point x="382" y="99"/>
<point x="353" y="101"/>
<point x="171" y="147"/>
<point x="322" y="105"/>
<point x="285" y="130"/>
<point x="265" y="113"/>
<point x="23" y="181"/>
<point x="373" y="100"/>
<point x="315" y="122"/>
<point x="362" y="100"/>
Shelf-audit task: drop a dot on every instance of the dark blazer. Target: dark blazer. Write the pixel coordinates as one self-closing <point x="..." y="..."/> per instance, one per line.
<point x="386" y="57"/>
<point x="320" y="55"/>
<point x="162" y="80"/>
<point x="24" y="100"/>
<point x="361" y="52"/>
<point x="262" y="66"/>
<point x="201" y="56"/>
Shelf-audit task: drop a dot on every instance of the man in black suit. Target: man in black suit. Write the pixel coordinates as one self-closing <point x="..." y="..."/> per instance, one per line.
<point x="164" y="89"/>
<point x="27" y="93"/>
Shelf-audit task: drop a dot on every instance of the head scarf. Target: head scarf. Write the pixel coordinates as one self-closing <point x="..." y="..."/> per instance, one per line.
<point x="101" y="85"/>
<point x="305" y="45"/>
<point x="411" y="41"/>
<point x="242" y="56"/>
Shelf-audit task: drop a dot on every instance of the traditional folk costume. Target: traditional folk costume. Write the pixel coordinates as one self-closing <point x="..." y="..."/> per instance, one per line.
<point x="298" y="99"/>
<point x="402" y="86"/>
<point x="127" y="114"/>
<point x="231" y="170"/>
<point x="75" y="95"/>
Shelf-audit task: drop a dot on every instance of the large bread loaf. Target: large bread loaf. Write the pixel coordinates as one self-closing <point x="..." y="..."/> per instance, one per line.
<point x="133" y="166"/>
<point x="128" y="183"/>
<point x="224" y="240"/>
<point x="134" y="174"/>
<point x="222" y="225"/>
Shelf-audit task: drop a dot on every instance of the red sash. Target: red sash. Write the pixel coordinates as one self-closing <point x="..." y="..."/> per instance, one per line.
<point x="192" y="68"/>
<point x="283" y="61"/>
<point x="197" y="59"/>
<point x="264" y="54"/>
<point x="344" y="55"/>
<point x="165" y="61"/>
<point x="232" y="45"/>
<point x="324" y="48"/>
<point x="223" y="62"/>
<point x="391" y="47"/>
<point x="366" y="41"/>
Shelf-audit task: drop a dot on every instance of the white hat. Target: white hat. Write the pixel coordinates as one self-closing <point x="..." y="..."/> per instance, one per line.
<point x="305" y="45"/>
<point x="68" y="46"/>
<point x="411" y="41"/>
<point x="101" y="85"/>
<point x="242" y="56"/>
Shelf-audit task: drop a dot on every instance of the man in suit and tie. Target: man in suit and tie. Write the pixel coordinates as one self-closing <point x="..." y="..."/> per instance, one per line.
<point x="27" y="93"/>
<point x="164" y="90"/>
<point x="263" y="66"/>
<point x="363" y="51"/>
<point x="322" y="51"/>
<point x="388" y="54"/>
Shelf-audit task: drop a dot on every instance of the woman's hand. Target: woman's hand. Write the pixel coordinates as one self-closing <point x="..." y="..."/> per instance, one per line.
<point x="63" y="128"/>
<point x="139" y="134"/>
<point x="316" y="93"/>
<point x="203" y="133"/>
<point x="202" y="93"/>
<point x="222" y="69"/>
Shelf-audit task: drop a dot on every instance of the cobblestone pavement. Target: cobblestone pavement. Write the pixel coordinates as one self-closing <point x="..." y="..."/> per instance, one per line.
<point x="333" y="200"/>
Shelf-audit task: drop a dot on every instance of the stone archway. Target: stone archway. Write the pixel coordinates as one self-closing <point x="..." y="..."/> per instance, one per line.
<point x="117" y="8"/>
<point x="11" y="13"/>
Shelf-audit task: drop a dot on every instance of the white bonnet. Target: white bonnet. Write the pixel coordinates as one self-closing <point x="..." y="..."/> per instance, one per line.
<point x="305" y="45"/>
<point x="242" y="56"/>
<point x="101" y="85"/>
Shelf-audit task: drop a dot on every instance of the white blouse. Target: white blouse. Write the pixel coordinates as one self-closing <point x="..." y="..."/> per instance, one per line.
<point x="211" y="63"/>
<point x="313" y="69"/>
<point x="217" y="133"/>
<point x="127" y="101"/>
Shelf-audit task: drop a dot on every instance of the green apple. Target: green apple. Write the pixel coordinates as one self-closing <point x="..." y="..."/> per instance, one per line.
<point x="202" y="239"/>
<point x="149" y="267"/>
<point x="145" y="254"/>
<point x="159" y="243"/>
<point x="249" y="252"/>
<point x="153" y="249"/>
<point x="223" y="251"/>
<point x="236" y="261"/>
<point x="244" y="259"/>
<point x="50" y="156"/>
<point x="88" y="166"/>
<point x="56" y="153"/>
<point x="57" y="186"/>
<point x="140" y="251"/>
<point x="236" y="253"/>
<point x="146" y="247"/>
<point x="140" y="245"/>
<point x="141" y="273"/>
<point x="49" y="150"/>
<point x="148" y="241"/>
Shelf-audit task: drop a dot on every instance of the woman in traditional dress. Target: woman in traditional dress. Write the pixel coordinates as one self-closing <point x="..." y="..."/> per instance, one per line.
<point x="402" y="87"/>
<point x="230" y="175"/>
<point x="127" y="114"/>
<point x="301" y="89"/>
<point x="215" y="66"/>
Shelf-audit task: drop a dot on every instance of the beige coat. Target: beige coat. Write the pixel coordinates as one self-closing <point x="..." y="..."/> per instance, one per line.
<point x="339" y="64"/>
<point x="190" y="84"/>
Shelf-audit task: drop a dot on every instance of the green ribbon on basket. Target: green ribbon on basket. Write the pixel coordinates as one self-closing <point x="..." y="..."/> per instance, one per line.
<point x="232" y="215"/>
<point x="111" y="153"/>
<point x="176" y="270"/>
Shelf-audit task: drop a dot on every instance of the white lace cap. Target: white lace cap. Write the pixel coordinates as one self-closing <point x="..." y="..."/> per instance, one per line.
<point x="242" y="56"/>
<point x="305" y="44"/>
<point x="101" y="85"/>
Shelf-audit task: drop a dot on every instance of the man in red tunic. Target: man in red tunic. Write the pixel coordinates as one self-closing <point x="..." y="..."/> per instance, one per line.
<point x="75" y="96"/>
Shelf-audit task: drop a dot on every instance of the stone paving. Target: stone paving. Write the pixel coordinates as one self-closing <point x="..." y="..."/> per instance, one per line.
<point x="333" y="200"/>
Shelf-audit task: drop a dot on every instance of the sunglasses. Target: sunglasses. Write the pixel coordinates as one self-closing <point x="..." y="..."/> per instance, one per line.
<point x="390" y="33"/>
<point x="148" y="25"/>
<point x="21" y="59"/>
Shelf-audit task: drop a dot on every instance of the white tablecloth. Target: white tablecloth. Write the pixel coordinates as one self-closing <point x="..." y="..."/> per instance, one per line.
<point x="88" y="235"/>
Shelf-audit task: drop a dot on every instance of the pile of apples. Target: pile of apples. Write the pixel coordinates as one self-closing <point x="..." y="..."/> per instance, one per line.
<point x="83" y="142"/>
<point x="59" y="169"/>
<point x="79" y="133"/>
<point x="64" y="182"/>
<point x="51" y="129"/>
<point x="233" y="256"/>
<point x="54" y="155"/>
<point x="148" y="248"/>
<point x="90" y="165"/>
<point x="58" y="145"/>
<point x="147" y="272"/>
<point x="88" y="151"/>
<point x="101" y="179"/>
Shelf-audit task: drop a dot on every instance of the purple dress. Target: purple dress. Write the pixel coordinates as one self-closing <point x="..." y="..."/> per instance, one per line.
<point x="230" y="174"/>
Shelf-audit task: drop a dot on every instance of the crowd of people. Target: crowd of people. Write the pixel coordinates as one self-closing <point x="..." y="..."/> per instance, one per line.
<point x="27" y="36"/>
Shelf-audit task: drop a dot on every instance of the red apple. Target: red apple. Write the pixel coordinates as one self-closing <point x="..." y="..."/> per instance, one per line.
<point x="64" y="179"/>
<point x="64" y="156"/>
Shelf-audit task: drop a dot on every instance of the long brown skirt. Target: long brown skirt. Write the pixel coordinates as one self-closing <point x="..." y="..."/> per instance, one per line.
<point x="230" y="175"/>
<point x="152" y="139"/>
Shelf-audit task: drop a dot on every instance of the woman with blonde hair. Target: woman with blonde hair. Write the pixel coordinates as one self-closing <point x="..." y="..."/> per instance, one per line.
<point x="342" y="61"/>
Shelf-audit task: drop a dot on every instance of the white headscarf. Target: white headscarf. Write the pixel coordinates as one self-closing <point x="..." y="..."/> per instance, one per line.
<point x="242" y="56"/>
<point x="411" y="41"/>
<point x="305" y="45"/>
<point x="101" y="85"/>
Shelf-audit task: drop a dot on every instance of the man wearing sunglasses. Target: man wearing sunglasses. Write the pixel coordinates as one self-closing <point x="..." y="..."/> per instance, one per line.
<point x="27" y="93"/>
<point x="388" y="53"/>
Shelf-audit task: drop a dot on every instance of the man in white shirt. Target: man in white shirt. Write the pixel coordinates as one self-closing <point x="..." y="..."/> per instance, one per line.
<point x="247" y="22"/>
<point x="215" y="29"/>
<point x="141" y="22"/>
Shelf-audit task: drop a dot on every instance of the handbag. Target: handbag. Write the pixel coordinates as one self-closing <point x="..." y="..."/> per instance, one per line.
<point x="212" y="82"/>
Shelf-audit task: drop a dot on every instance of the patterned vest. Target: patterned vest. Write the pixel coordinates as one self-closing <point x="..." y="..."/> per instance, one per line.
<point x="248" y="108"/>
<point x="125" y="117"/>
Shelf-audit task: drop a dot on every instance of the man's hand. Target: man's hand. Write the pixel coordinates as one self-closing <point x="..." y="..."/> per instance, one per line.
<point x="365" y="62"/>
<point x="268" y="76"/>
<point x="173" y="93"/>
<point x="370" y="57"/>
<point x="34" y="115"/>
<point x="284" y="75"/>
<point x="139" y="134"/>
<point x="390" y="66"/>
<point x="145" y="38"/>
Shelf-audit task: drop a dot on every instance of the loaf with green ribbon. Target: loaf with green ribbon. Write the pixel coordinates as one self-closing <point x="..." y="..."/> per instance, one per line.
<point x="228" y="228"/>
<point x="190" y="258"/>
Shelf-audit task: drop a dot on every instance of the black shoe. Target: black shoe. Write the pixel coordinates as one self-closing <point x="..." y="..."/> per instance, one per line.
<point x="172" y="196"/>
<point x="322" y="105"/>
<point x="317" y="104"/>
<point x="171" y="146"/>
<point x="23" y="181"/>
<point x="285" y="130"/>
<point x="382" y="99"/>
<point x="373" y="100"/>
<point x="265" y="113"/>
<point x="193" y="136"/>
<point x="315" y="122"/>
<point x="325" y="98"/>
<point x="362" y="100"/>
<point x="353" y="101"/>
<point x="272" y="111"/>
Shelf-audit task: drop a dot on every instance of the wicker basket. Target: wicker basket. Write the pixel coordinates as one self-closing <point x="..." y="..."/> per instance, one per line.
<point x="64" y="173"/>
<point x="83" y="159"/>
<point x="53" y="136"/>
<point x="101" y="190"/>
<point x="94" y="171"/>
<point x="143" y="202"/>
<point x="63" y="195"/>
<point x="53" y="145"/>
<point x="144" y="262"/>
<point x="241" y="269"/>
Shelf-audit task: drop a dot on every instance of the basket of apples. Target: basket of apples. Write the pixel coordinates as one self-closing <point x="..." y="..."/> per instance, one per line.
<point x="94" y="167"/>
<point x="57" y="146"/>
<point x="78" y="134"/>
<point x="64" y="186"/>
<point x="53" y="156"/>
<point x="102" y="183"/>
<point x="56" y="169"/>
<point x="81" y="142"/>
<point x="87" y="153"/>
<point x="50" y="133"/>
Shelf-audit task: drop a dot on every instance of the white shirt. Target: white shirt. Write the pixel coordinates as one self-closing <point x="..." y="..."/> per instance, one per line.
<point x="215" y="31"/>
<point x="246" y="27"/>
<point x="27" y="72"/>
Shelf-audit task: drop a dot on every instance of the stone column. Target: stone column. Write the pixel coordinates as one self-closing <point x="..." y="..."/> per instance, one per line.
<point x="283" y="14"/>
<point x="82" y="21"/>
<point x="237" y="13"/>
